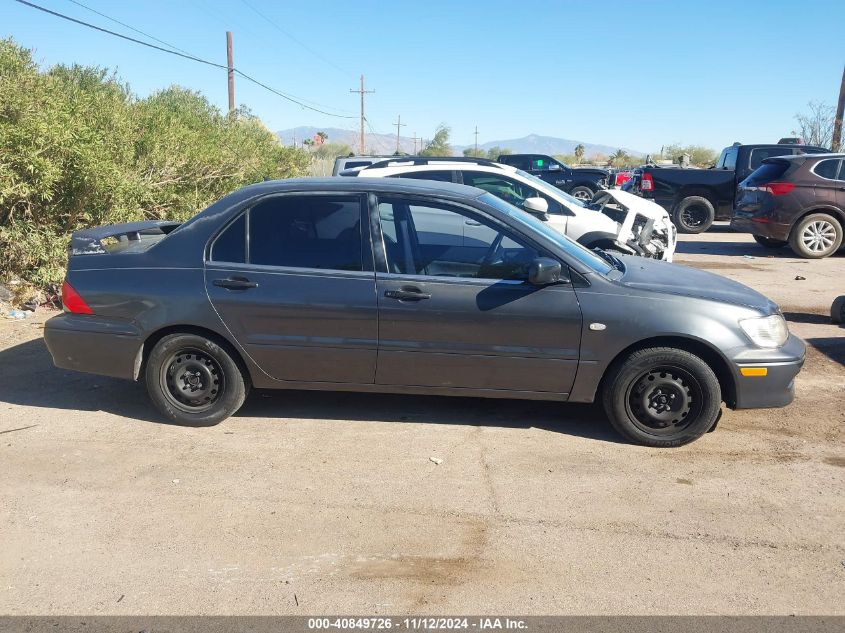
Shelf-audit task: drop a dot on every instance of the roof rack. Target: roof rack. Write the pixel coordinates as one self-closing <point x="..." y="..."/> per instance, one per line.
<point x="428" y="160"/>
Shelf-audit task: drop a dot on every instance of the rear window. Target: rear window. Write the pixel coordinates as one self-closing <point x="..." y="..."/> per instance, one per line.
<point x="768" y="172"/>
<point x="762" y="153"/>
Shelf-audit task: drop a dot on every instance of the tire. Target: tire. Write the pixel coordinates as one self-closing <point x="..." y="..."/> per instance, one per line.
<point x="694" y="214"/>
<point x="661" y="397"/>
<point x="194" y="381"/>
<point x="582" y="192"/>
<point x="837" y="310"/>
<point x="767" y="242"/>
<point x="816" y="236"/>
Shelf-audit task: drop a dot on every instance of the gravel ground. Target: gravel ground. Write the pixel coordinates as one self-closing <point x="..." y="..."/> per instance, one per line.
<point x="309" y="503"/>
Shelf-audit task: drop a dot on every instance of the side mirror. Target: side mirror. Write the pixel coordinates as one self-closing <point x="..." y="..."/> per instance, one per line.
<point x="544" y="271"/>
<point x="537" y="206"/>
<point x="554" y="167"/>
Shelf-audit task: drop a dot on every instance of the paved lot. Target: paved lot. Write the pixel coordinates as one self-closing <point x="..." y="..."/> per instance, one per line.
<point x="310" y="503"/>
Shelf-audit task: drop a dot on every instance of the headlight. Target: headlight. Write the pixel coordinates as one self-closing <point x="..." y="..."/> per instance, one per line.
<point x="770" y="331"/>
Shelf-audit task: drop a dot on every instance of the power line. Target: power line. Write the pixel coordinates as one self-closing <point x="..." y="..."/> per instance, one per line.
<point x="185" y="56"/>
<point x="131" y="28"/>
<point x="284" y="32"/>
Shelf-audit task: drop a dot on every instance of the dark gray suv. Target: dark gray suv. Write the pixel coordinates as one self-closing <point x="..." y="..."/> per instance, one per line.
<point x="416" y="287"/>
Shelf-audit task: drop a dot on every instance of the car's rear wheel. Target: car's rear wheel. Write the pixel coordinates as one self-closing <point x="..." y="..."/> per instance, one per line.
<point x="582" y="193"/>
<point x="816" y="236"/>
<point x="768" y="242"/>
<point x="694" y="214"/>
<point x="837" y="310"/>
<point x="662" y="397"/>
<point x="193" y="380"/>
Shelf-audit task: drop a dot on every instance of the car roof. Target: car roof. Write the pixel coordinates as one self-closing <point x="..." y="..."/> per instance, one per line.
<point x="803" y="157"/>
<point x="363" y="185"/>
<point x="440" y="165"/>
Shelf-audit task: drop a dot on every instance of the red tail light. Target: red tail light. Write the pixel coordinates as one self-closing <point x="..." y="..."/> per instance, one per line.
<point x="647" y="183"/>
<point x="72" y="302"/>
<point x="777" y="188"/>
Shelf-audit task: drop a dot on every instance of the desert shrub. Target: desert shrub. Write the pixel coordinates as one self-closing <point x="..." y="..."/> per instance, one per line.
<point x="78" y="149"/>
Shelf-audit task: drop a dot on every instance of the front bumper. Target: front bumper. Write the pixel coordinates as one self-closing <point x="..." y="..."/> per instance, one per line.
<point x="777" y="387"/>
<point x="94" y="345"/>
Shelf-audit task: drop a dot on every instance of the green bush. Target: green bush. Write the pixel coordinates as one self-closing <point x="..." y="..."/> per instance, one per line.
<point x="78" y="149"/>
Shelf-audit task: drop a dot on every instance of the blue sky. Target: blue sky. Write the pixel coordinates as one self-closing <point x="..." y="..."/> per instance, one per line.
<point x="633" y="74"/>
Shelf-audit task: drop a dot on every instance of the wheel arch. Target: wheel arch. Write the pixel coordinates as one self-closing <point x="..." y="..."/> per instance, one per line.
<point x="710" y="355"/>
<point x="694" y="190"/>
<point x="838" y="215"/>
<point x="151" y="341"/>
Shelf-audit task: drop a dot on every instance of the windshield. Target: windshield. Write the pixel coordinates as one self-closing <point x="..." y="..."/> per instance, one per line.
<point x="551" y="190"/>
<point x="526" y="220"/>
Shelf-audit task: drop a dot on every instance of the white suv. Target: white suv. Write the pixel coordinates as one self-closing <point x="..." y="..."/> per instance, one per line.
<point x="613" y="220"/>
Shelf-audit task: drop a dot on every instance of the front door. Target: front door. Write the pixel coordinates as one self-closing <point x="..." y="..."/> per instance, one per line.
<point x="292" y="280"/>
<point x="456" y="311"/>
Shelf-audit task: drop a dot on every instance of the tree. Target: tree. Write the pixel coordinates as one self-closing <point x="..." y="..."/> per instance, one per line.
<point x="475" y="153"/>
<point x="815" y="127"/>
<point x="579" y="153"/>
<point x="699" y="156"/>
<point x="78" y="149"/>
<point x="619" y="157"/>
<point x="494" y="152"/>
<point x="439" y="145"/>
<point x="323" y="137"/>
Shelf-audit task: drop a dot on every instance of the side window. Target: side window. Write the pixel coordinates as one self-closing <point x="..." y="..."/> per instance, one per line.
<point x="730" y="159"/>
<point x="230" y="245"/>
<point x="501" y="187"/>
<point x="307" y="232"/>
<point x="761" y="153"/>
<point x="828" y="169"/>
<point x="440" y="175"/>
<point x="441" y="241"/>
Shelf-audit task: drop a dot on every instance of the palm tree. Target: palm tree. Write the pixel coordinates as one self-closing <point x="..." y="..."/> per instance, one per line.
<point x="618" y="157"/>
<point x="579" y="153"/>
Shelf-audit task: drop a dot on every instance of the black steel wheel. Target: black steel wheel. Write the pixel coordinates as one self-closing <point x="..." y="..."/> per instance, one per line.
<point x="661" y="396"/>
<point x="664" y="400"/>
<point x="193" y="380"/>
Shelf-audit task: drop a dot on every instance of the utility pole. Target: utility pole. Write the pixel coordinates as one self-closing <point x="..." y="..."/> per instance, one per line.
<point x="476" y="140"/>
<point x="362" y="92"/>
<point x="415" y="139"/>
<point x="837" y="122"/>
<point x="231" y="72"/>
<point x="398" y="125"/>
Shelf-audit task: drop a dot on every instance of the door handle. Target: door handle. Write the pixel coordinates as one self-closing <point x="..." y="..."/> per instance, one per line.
<point x="235" y="283"/>
<point x="406" y="294"/>
<point x="472" y="223"/>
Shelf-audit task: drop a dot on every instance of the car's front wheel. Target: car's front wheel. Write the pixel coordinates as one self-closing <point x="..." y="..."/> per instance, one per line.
<point x="582" y="192"/>
<point x="662" y="397"/>
<point x="193" y="380"/>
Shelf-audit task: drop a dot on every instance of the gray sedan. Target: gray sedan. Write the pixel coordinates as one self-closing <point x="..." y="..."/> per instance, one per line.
<point x="414" y="287"/>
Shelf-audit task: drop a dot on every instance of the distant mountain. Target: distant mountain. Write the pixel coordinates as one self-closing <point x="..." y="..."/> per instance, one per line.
<point x="386" y="143"/>
<point x="537" y="144"/>
<point x="376" y="143"/>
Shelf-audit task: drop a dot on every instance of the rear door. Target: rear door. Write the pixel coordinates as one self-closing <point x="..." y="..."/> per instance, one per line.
<point x="292" y="279"/>
<point x="457" y="312"/>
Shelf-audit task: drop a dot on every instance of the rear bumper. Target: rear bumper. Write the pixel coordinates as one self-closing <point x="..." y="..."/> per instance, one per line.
<point x="744" y="223"/>
<point x="94" y="345"/>
<point x="777" y="387"/>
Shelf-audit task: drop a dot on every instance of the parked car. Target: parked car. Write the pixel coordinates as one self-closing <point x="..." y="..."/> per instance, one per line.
<point x="795" y="200"/>
<point x="619" y="177"/>
<point x="342" y="163"/>
<point x="580" y="182"/>
<point x="697" y="197"/>
<point x="374" y="285"/>
<point x="612" y="220"/>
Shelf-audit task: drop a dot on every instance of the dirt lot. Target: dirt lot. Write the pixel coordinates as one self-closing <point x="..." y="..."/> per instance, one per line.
<point x="310" y="503"/>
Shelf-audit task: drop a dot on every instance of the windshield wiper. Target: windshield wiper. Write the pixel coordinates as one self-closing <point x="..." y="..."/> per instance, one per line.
<point x="610" y="258"/>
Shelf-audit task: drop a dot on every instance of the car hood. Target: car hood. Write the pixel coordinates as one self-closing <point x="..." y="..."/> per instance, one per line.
<point x="590" y="170"/>
<point x="637" y="204"/>
<point x="658" y="276"/>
